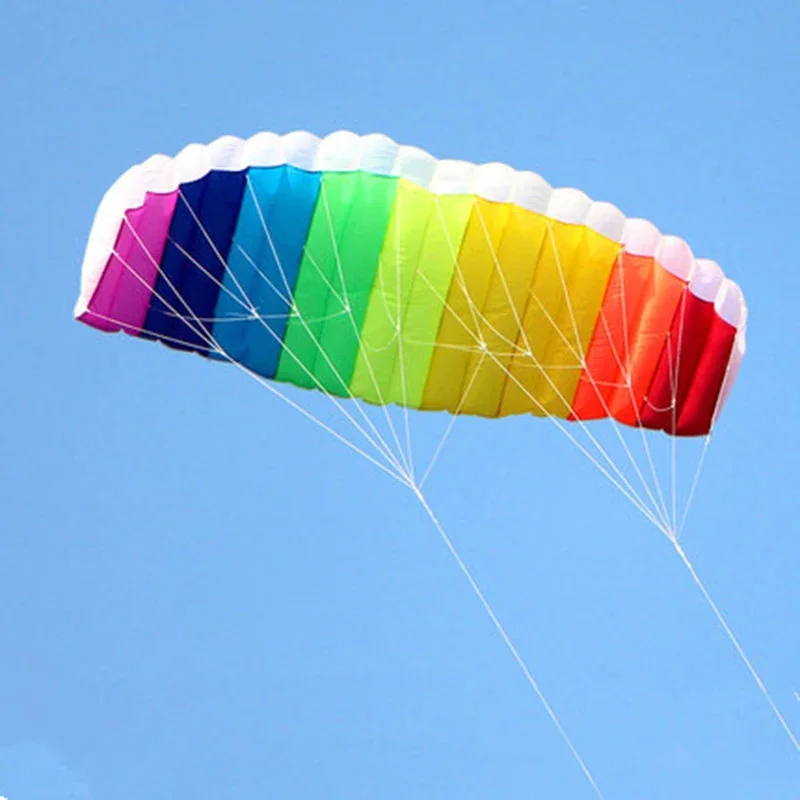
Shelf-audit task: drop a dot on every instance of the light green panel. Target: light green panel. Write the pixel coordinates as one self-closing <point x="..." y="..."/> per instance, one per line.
<point x="416" y="267"/>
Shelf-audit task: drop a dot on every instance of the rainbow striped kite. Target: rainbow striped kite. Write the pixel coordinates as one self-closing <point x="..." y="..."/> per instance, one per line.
<point x="362" y="268"/>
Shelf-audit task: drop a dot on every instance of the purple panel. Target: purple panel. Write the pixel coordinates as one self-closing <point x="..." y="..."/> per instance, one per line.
<point x="123" y="294"/>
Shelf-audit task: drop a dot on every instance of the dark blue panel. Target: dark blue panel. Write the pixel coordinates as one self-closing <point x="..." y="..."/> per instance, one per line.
<point x="265" y="256"/>
<point x="214" y="201"/>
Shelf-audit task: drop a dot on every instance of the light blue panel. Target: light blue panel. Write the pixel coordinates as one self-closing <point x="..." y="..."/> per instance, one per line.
<point x="264" y="258"/>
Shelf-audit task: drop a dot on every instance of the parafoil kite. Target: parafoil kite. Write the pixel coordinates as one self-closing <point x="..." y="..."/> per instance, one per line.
<point x="362" y="268"/>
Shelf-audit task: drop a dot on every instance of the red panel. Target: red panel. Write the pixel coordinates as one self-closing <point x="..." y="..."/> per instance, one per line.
<point x="676" y="367"/>
<point x="696" y="412"/>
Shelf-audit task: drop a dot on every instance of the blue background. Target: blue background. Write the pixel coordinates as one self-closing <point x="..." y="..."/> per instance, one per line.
<point x="202" y="595"/>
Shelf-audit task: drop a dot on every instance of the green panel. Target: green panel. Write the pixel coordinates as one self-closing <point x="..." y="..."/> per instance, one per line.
<point x="413" y="281"/>
<point x="335" y="280"/>
<point x="375" y="365"/>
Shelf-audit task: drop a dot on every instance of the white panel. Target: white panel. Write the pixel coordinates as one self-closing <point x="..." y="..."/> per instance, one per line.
<point x="127" y="192"/>
<point x="378" y="154"/>
<point x="264" y="150"/>
<point x="452" y="177"/>
<point x="415" y="165"/>
<point x="227" y="153"/>
<point x="607" y="220"/>
<point x="730" y="305"/>
<point x="676" y="257"/>
<point x="569" y="205"/>
<point x="300" y="149"/>
<point x="640" y="237"/>
<point x="157" y="175"/>
<point x="339" y="152"/>
<point x="192" y="163"/>
<point x="707" y="280"/>
<point x="532" y="191"/>
<point x="494" y="182"/>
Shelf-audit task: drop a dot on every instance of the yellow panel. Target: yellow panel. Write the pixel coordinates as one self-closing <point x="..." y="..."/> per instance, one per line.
<point x="573" y="270"/>
<point x="429" y="290"/>
<point x="503" y="310"/>
<point x="460" y="330"/>
<point x="587" y="285"/>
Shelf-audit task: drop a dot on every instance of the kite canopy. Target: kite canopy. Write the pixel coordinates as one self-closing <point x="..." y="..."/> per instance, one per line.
<point x="366" y="269"/>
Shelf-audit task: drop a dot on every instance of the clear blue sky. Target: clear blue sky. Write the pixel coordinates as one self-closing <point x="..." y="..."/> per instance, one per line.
<point x="204" y="596"/>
